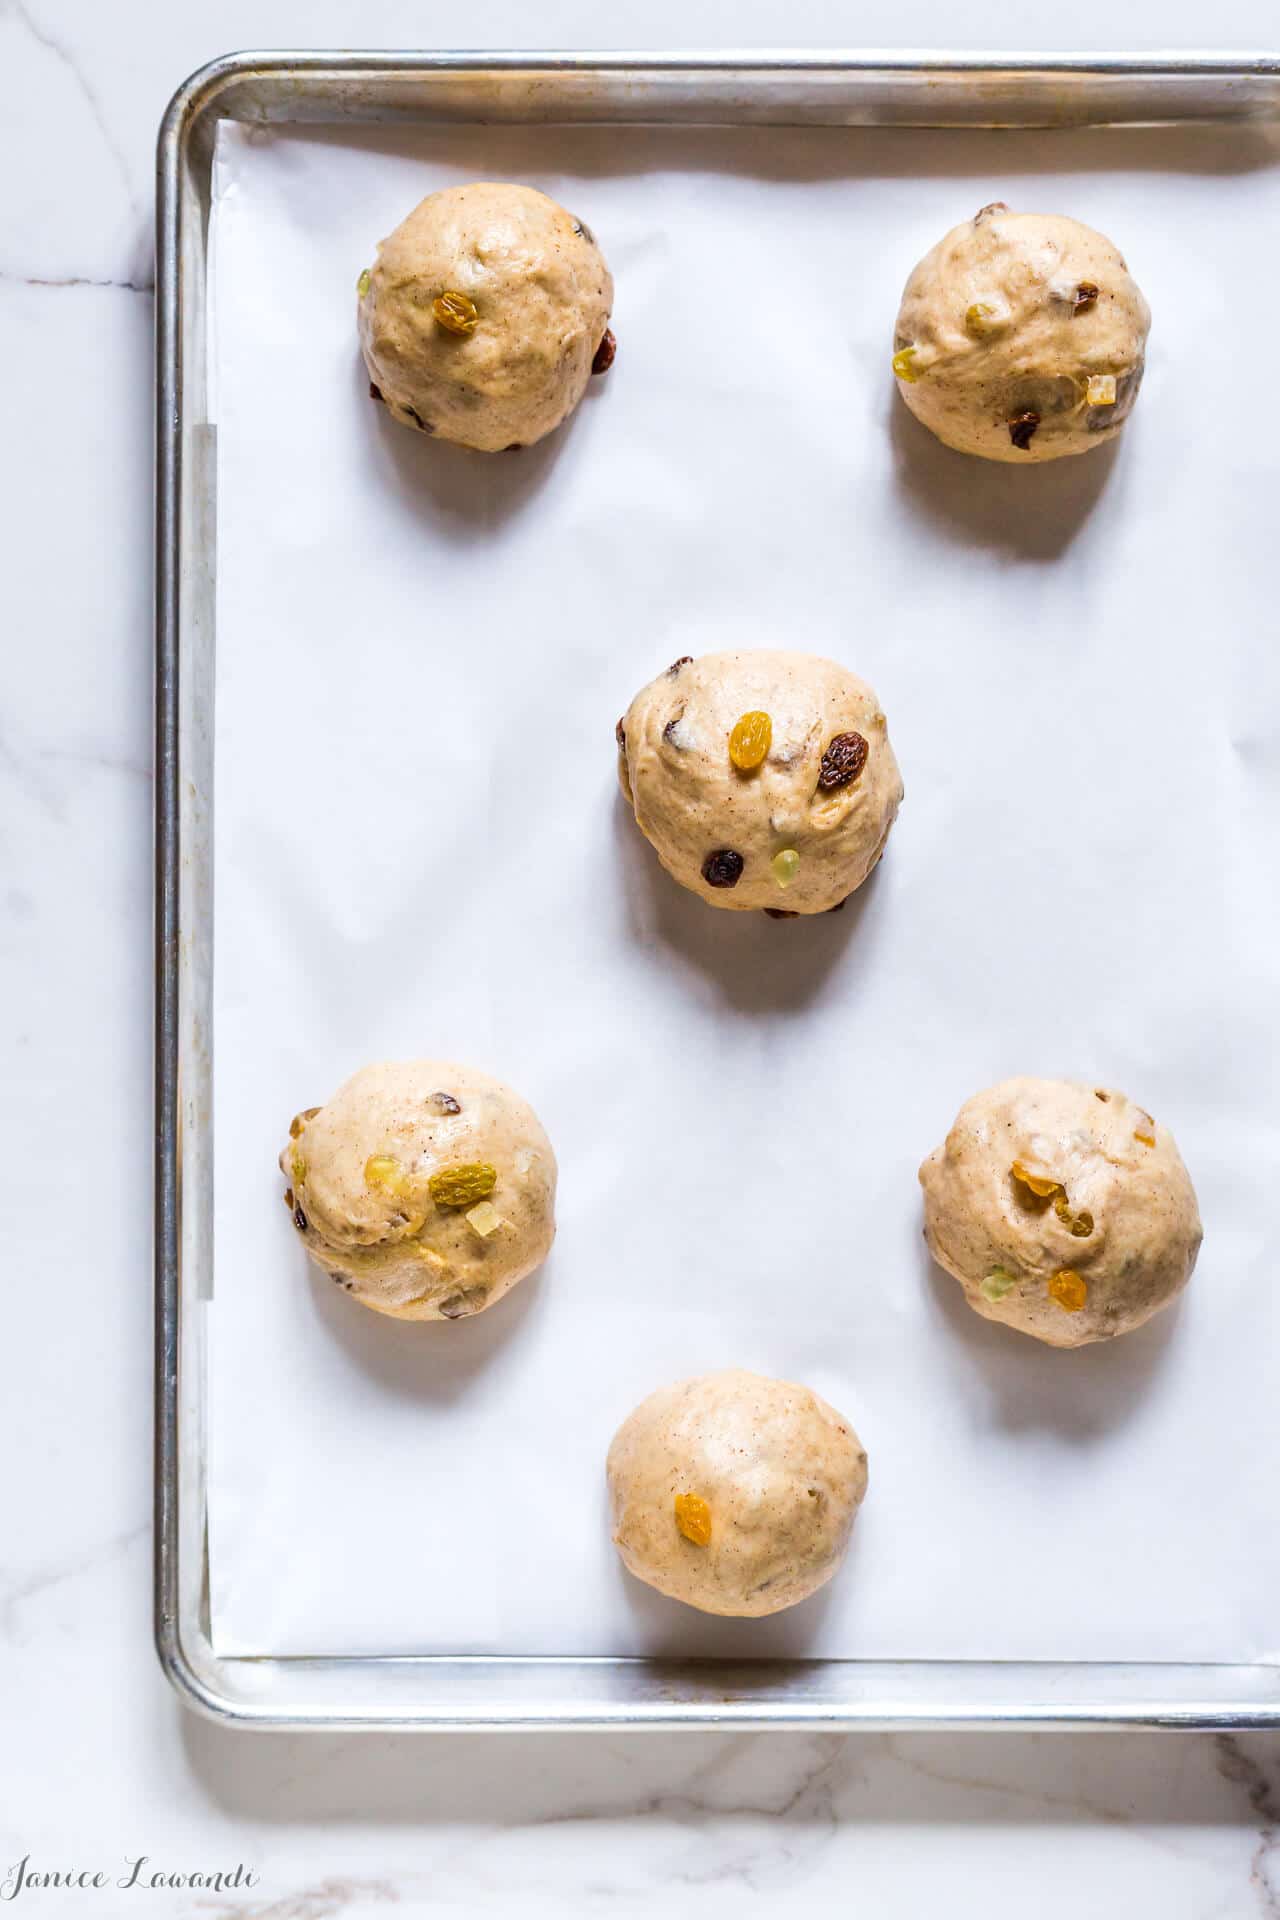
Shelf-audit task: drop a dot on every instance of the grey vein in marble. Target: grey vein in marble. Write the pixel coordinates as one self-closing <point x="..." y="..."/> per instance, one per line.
<point x="16" y="1593"/>
<point x="799" y="1819"/>
<point x="76" y="280"/>
<point x="326" y="1900"/>
<point x="1263" y="1795"/>
<point x="137" y="244"/>
<point x="21" y="11"/>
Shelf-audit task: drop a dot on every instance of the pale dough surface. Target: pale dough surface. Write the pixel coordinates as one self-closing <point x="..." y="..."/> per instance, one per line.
<point x="543" y="295"/>
<point x="1036" y="344"/>
<point x="690" y="800"/>
<point x="1117" y="1171"/>
<point x="781" y="1472"/>
<point x="379" y="1233"/>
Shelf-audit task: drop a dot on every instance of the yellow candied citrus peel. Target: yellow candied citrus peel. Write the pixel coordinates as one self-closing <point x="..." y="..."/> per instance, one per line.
<point x="1068" y="1290"/>
<point x="1036" y="1183"/>
<point x="300" y="1120"/>
<point x="784" y="866"/>
<point x="455" y="312"/>
<point x="1100" y="391"/>
<point x="484" y="1219"/>
<point x="984" y="317"/>
<point x="382" y="1170"/>
<point x="998" y="1283"/>
<point x="364" y="283"/>
<point x="463" y="1186"/>
<point x="430" y="1257"/>
<point x="905" y="365"/>
<point x="750" y="741"/>
<point x="693" y="1518"/>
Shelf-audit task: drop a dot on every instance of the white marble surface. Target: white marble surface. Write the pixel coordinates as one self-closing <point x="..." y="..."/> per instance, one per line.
<point x="97" y="1761"/>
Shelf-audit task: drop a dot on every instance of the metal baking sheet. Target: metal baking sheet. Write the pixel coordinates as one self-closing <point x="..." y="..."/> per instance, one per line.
<point x="430" y="1690"/>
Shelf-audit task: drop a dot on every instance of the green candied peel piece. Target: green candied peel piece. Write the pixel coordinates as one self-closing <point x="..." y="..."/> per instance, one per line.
<point x="784" y="866"/>
<point x="904" y="365"/>
<point x="364" y="283"/>
<point x="998" y="1283"/>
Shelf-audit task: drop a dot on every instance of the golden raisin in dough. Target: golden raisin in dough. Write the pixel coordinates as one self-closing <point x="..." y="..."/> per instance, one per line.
<point x="483" y="314"/>
<point x="779" y="1477"/>
<point x="1038" y="1185"/>
<point x="1054" y="1217"/>
<point x="422" y="1204"/>
<point x="693" y="1517"/>
<point x="1021" y="337"/>
<point x="749" y="742"/>
<point x="1080" y="1224"/>
<point x="755" y="771"/>
<point x="1069" y="1290"/>
<point x="455" y="312"/>
<point x="462" y="1186"/>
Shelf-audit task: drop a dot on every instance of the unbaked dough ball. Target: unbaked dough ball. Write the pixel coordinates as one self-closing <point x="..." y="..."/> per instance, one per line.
<point x="1063" y="1209"/>
<point x="1021" y="336"/>
<point x="425" y="1189"/>
<point x="484" y="316"/>
<point x="764" y="780"/>
<point x="735" y="1493"/>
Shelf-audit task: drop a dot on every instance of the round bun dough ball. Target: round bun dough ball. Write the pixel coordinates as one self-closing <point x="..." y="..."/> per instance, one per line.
<point x="1062" y="1209"/>
<point x="735" y="1493"/>
<point x="763" y="780"/>
<point x="425" y="1189"/>
<point x="482" y="316"/>
<point x="1021" y="336"/>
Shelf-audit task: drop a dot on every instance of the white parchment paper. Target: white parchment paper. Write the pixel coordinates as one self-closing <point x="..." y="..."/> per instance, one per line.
<point x="420" y="850"/>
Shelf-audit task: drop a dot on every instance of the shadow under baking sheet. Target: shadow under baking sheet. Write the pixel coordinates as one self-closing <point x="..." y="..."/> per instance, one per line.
<point x="774" y="1804"/>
